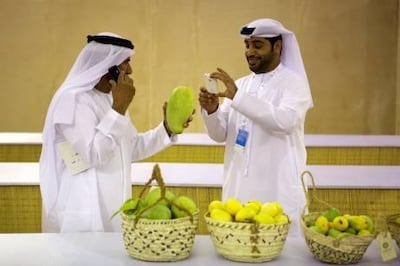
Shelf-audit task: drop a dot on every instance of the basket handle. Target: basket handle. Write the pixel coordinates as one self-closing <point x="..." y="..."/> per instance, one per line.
<point x="303" y="176"/>
<point x="156" y="175"/>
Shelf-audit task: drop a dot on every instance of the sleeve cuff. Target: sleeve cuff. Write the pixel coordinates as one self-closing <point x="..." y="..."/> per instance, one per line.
<point x="166" y="138"/>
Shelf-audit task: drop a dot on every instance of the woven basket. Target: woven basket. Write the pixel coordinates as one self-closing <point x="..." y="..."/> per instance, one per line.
<point x="394" y="228"/>
<point x="159" y="240"/>
<point x="247" y="242"/>
<point x="348" y="250"/>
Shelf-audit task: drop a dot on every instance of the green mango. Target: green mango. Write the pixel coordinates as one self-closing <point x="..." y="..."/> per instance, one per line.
<point x="182" y="203"/>
<point x="157" y="212"/>
<point x="331" y="214"/>
<point x="351" y="230"/>
<point x="337" y="234"/>
<point x="155" y="194"/>
<point x="317" y="229"/>
<point x="181" y="104"/>
<point x="358" y="222"/>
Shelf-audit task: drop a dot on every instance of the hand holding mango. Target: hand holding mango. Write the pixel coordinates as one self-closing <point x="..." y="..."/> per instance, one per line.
<point x="180" y="109"/>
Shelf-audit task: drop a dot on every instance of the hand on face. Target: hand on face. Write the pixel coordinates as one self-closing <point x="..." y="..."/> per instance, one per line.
<point x="123" y="92"/>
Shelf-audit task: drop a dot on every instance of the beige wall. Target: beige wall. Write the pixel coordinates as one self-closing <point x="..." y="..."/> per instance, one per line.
<point x="398" y="71"/>
<point x="350" y="49"/>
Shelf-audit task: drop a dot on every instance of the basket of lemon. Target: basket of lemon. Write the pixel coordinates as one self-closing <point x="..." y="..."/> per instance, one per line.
<point x="333" y="237"/>
<point x="393" y="223"/>
<point x="250" y="232"/>
<point x="158" y="225"/>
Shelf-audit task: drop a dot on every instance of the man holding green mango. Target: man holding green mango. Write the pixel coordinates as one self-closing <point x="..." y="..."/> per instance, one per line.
<point x="89" y="141"/>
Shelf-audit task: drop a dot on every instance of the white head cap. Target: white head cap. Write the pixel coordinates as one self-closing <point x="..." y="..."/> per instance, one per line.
<point x="267" y="28"/>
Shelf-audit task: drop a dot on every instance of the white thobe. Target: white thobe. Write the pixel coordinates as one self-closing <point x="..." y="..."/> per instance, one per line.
<point x="272" y="108"/>
<point x="108" y="142"/>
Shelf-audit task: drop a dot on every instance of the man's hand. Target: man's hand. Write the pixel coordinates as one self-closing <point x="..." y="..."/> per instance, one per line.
<point x="185" y="125"/>
<point x="230" y="85"/>
<point x="208" y="101"/>
<point x="123" y="92"/>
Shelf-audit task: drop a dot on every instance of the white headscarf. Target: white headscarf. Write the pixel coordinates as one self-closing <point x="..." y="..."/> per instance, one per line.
<point x="92" y="63"/>
<point x="290" y="56"/>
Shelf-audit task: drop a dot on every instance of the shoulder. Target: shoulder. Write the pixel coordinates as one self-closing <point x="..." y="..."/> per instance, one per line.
<point x="286" y="75"/>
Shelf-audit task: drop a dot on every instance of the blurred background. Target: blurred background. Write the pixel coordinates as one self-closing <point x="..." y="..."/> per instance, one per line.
<point x="350" y="48"/>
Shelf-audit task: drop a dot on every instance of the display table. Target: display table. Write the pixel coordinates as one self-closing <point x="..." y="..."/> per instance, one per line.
<point x="108" y="249"/>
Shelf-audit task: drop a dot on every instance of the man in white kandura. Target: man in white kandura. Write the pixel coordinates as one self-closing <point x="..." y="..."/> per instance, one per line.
<point x="89" y="141"/>
<point x="262" y="120"/>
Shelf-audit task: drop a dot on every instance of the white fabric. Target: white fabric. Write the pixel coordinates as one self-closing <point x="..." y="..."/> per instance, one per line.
<point x="106" y="140"/>
<point x="275" y="106"/>
<point x="290" y="56"/>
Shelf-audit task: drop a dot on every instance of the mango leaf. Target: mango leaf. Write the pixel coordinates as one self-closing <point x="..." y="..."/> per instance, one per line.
<point x="128" y="205"/>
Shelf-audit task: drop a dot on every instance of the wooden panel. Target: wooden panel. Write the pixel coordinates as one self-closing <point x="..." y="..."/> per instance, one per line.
<point x="20" y="206"/>
<point x="215" y="154"/>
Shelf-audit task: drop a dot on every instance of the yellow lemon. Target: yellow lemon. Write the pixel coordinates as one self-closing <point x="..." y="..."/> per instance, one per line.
<point x="272" y="208"/>
<point x="232" y="205"/>
<point x="255" y="204"/>
<point x="220" y="215"/>
<point x="215" y="204"/>
<point x="245" y="214"/>
<point x="264" y="218"/>
<point x="281" y="219"/>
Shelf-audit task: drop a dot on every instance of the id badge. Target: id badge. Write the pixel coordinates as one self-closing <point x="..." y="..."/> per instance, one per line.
<point x="241" y="139"/>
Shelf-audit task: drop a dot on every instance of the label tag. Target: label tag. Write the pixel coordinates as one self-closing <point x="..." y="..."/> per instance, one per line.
<point x="385" y="242"/>
<point x="241" y="139"/>
<point x="73" y="161"/>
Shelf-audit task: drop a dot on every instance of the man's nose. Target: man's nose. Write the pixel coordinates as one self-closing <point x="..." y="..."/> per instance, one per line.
<point x="250" y="51"/>
<point x="129" y="69"/>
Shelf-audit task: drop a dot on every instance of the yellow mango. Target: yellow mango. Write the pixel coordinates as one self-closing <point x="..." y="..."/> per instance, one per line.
<point x="180" y="107"/>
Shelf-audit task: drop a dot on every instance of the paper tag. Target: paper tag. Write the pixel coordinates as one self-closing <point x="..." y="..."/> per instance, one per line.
<point x="73" y="161"/>
<point x="385" y="242"/>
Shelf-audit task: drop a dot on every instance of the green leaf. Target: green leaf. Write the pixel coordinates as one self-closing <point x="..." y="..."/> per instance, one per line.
<point x="128" y="205"/>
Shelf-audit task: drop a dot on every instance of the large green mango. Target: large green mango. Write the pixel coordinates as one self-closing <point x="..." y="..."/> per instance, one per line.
<point x="180" y="107"/>
<point x="157" y="212"/>
<point x="155" y="194"/>
<point x="182" y="203"/>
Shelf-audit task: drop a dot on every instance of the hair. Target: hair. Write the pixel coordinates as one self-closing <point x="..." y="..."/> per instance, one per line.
<point x="273" y="40"/>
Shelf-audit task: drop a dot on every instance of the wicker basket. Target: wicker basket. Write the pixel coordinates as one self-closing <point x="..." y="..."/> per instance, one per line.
<point x="348" y="250"/>
<point x="394" y="228"/>
<point x="159" y="240"/>
<point x="247" y="242"/>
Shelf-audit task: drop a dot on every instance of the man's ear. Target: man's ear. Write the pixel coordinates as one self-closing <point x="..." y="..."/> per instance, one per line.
<point x="278" y="47"/>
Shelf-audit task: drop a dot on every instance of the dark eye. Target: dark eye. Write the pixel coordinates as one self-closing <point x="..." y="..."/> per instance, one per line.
<point x="258" y="45"/>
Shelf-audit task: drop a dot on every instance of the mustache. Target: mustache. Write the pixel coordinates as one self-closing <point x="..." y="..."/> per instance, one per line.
<point x="252" y="57"/>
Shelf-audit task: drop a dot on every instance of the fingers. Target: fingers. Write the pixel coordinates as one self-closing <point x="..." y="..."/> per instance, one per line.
<point x="187" y="123"/>
<point x="113" y="83"/>
<point x="121" y="76"/>
<point x="222" y="71"/>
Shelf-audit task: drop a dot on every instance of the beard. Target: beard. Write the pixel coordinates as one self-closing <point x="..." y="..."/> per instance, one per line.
<point x="260" y="64"/>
